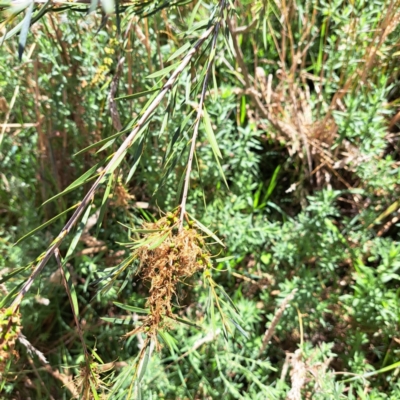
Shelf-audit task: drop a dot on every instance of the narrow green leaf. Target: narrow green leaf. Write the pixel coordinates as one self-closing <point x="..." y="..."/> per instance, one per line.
<point x="198" y="25"/>
<point x="140" y="230"/>
<point x="78" y="234"/>
<point x="188" y="87"/>
<point x="186" y="322"/>
<point x="159" y="241"/>
<point x="256" y="200"/>
<point x="140" y="94"/>
<point x="228" y="299"/>
<point x="6" y="277"/>
<point x="164" y="123"/>
<point x="132" y="308"/>
<point x="106" y="145"/>
<point x="213" y="143"/>
<point x="4" y="301"/>
<point x="136" y="158"/>
<point x="369" y="374"/>
<point x="242" y="110"/>
<point x="100" y="142"/>
<point x="116" y="163"/>
<point x="210" y="133"/>
<point x="139" y="391"/>
<point x="144" y="363"/>
<point x="119" y="321"/>
<point x="147" y="230"/>
<point x="163" y="71"/>
<point x="194" y="13"/>
<point x="224" y="331"/>
<point x="181" y="50"/>
<point x="72" y="291"/>
<point x="180" y="186"/>
<point x="24" y="30"/>
<point x="49" y="222"/>
<point x="115" y="273"/>
<point x="164" y="338"/>
<point x="86" y="177"/>
<point x="96" y="356"/>
<point x="272" y="184"/>
<point x="16" y="7"/>
<point x="239" y="328"/>
<point x="215" y="85"/>
<point x="212" y="311"/>
<point x="223" y="259"/>
<point x="206" y="230"/>
<point x="144" y="242"/>
<point x="104" y="203"/>
<point x="93" y="389"/>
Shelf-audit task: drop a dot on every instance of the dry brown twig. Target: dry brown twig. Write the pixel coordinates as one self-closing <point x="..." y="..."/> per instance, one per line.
<point x="278" y="315"/>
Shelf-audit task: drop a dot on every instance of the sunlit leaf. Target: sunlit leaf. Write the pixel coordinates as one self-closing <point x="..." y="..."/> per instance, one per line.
<point x="104" y="203"/>
<point x="78" y="234"/>
<point x="25" y="29"/>
<point x="132" y="308"/>
<point x="206" y="230"/>
<point x="49" y="222"/>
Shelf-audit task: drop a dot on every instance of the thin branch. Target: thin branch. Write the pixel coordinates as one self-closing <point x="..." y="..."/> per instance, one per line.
<point x="244" y="29"/>
<point x="31" y="349"/>
<point x="4" y="126"/>
<point x="43" y="259"/>
<point x="278" y="315"/>
<point x="198" y="119"/>
<point x="116" y="120"/>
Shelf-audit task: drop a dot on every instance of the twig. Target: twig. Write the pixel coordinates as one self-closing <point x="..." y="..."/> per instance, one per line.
<point x="111" y="101"/>
<point x="26" y="125"/>
<point x="244" y="29"/>
<point x="40" y="378"/>
<point x="278" y="315"/>
<point x="43" y="259"/>
<point x="56" y="374"/>
<point x="16" y="90"/>
<point x="31" y="349"/>
<point x="198" y="118"/>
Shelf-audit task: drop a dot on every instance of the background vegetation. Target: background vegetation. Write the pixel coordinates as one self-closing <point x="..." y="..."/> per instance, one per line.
<point x="296" y="171"/>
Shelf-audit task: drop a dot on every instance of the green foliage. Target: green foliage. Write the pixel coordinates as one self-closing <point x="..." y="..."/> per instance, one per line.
<point x="269" y="130"/>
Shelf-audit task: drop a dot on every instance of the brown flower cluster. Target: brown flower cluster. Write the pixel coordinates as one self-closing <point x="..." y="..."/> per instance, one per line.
<point x="168" y="257"/>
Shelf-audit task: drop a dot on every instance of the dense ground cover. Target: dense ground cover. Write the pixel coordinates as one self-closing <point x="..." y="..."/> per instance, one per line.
<point x="277" y="277"/>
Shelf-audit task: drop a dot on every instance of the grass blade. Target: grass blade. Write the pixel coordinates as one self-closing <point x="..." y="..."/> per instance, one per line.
<point x="78" y="234"/>
<point x="206" y="230"/>
<point x="131" y="308"/>
<point x="104" y="203"/>
<point x="24" y="30"/>
<point x="49" y="222"/>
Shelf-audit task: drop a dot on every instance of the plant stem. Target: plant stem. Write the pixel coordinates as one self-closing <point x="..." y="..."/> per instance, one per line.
<point x="198" y="118"/>
<point x="120" y="153"/>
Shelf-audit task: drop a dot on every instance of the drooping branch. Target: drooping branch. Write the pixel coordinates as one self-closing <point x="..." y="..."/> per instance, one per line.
<point x="43" y="259"/>
<point x="198" y="119"/>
